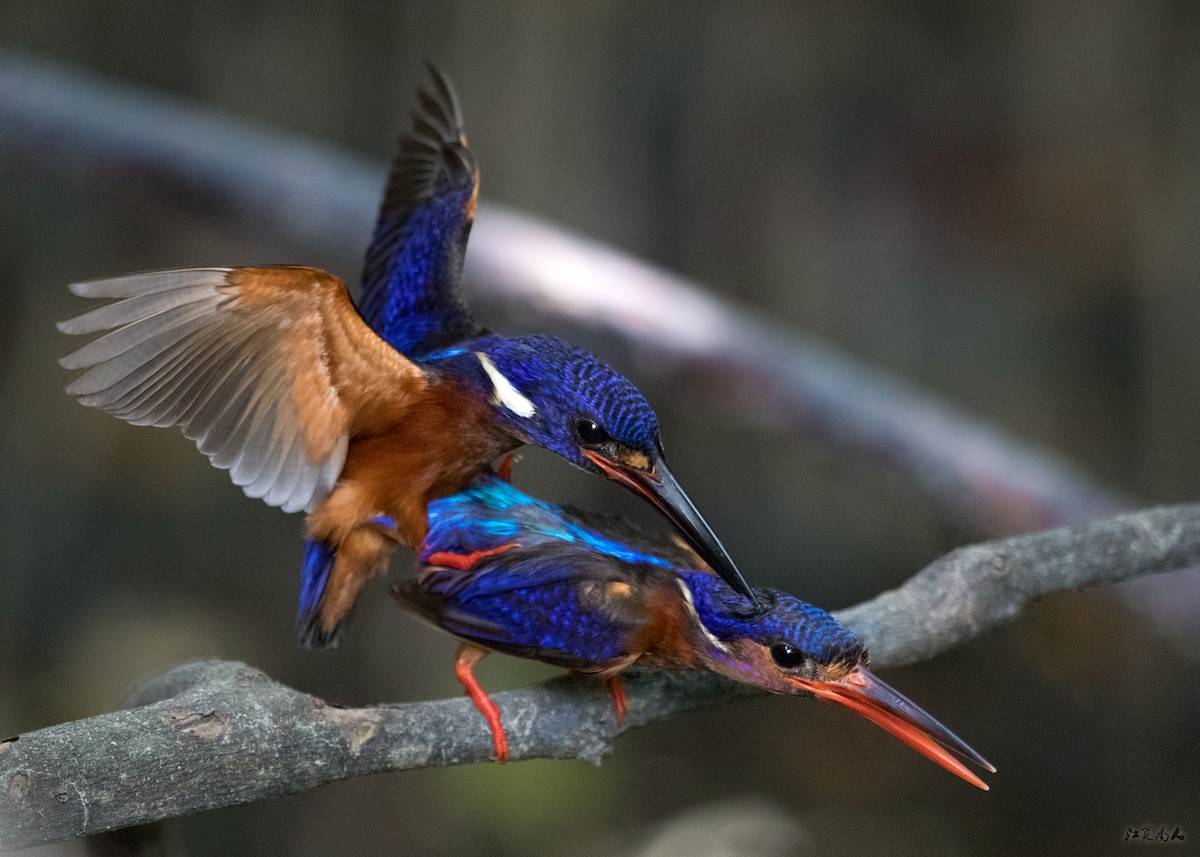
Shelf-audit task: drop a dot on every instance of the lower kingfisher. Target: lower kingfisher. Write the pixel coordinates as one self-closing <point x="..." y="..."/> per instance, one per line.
<point x="362" y="419"/>
<point x="598" y="595"/>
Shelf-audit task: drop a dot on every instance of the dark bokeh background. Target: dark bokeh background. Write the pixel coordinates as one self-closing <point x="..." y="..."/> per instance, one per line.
<point x="1002" y="205"/>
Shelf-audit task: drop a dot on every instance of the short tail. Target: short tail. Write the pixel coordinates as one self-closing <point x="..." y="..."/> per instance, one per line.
<point x="318" y="566"/>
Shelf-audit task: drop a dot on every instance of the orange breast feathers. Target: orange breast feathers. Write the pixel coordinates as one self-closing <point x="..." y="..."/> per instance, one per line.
<point x="445" y="438"/>
<point x="671" y="635"/>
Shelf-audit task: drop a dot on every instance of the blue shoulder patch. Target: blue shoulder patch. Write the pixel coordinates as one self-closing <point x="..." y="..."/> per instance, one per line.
<point x="491" y="512"/>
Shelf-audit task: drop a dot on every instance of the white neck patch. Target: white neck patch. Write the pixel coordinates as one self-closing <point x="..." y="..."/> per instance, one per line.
<point x="691" y="606"/>
<point x="506" y="393"/>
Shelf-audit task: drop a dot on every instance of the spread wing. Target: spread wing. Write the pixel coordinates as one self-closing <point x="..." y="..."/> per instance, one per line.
<point x="412" y="278"/>
<point x="266" y="369"/>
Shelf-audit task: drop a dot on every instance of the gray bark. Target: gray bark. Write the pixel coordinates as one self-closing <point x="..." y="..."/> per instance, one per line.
<point x="215" y="734"/>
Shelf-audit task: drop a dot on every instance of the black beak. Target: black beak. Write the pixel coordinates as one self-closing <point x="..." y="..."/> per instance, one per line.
<point x="660" y="488"/>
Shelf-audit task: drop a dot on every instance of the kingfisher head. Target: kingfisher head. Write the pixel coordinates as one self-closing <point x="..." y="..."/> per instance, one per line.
<point x="789" y="646"/>
<point x="547" y="392"/>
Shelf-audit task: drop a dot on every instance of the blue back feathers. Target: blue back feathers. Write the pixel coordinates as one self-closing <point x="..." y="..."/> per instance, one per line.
<point x="491" y="512"/>
<point x="530" y="597"/>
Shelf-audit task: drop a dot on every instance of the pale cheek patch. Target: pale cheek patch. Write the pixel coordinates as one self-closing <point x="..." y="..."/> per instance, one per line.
<point x="691" y="606"/>
<point x="636" y="460"/>
<point x="506" y="393"/>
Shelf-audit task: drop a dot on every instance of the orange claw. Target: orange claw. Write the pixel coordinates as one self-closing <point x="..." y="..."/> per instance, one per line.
<point x="466" y="659"/>
<point x="504" y="471"/>
<point x="464" y="561"/>
<point x="620" y="702"/>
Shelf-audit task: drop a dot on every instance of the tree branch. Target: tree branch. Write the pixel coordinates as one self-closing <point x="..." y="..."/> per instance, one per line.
<point x="216" y="734"/>
<point x="74" y="128"/>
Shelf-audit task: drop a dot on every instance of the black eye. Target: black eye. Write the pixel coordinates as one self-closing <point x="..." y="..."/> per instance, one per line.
<point x="591" y="434"/>
<point x="786" y="657"/>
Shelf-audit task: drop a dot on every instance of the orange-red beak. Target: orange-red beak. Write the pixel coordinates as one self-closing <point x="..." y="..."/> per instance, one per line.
<point x="864" y="694"/>
<point x="665" y="494"/>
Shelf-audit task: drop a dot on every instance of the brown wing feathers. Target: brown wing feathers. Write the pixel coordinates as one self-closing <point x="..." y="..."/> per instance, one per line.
<point x="266" y="369"/>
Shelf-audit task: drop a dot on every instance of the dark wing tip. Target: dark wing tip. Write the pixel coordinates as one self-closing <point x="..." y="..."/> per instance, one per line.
<point x="443" y="97"/>
<point x="313" y="636"/>
<point x="438" y="109"/>
<point x="432" y="156"/>
<point x="413" y="268"/>
<point x="410" y="596"/>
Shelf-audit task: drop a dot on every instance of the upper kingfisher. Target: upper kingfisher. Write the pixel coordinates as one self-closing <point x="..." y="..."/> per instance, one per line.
<point x="598" y="595"/>
<point x="361" y="416"/>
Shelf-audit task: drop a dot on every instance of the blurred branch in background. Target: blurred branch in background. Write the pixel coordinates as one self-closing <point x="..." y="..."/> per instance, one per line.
<point x="76" y="129"/>
<point x="218" y="733"/>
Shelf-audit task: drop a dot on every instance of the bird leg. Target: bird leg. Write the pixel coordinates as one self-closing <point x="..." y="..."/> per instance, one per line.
<point x="620" y="703"/>
<point x="504" y="471"/>
<point x="616" y="689"/>
<point x="464" y="661"/>
<point x="464" y="561"/>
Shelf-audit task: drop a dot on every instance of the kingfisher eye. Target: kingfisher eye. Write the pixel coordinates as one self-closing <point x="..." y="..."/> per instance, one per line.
<point x="786" y="657"/>
<point x="591" y="434"/>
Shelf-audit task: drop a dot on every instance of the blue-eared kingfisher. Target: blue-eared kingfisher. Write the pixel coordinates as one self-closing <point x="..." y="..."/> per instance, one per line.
<point x="361" y="416"/>
<point x="598" y="595"/>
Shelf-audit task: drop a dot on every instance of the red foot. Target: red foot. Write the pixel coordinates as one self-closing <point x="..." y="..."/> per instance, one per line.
<point x="468" y="656"/>
<point x="620" y="703"/>
<point x="464" y="561"/>
<point x="504" y="471"/>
